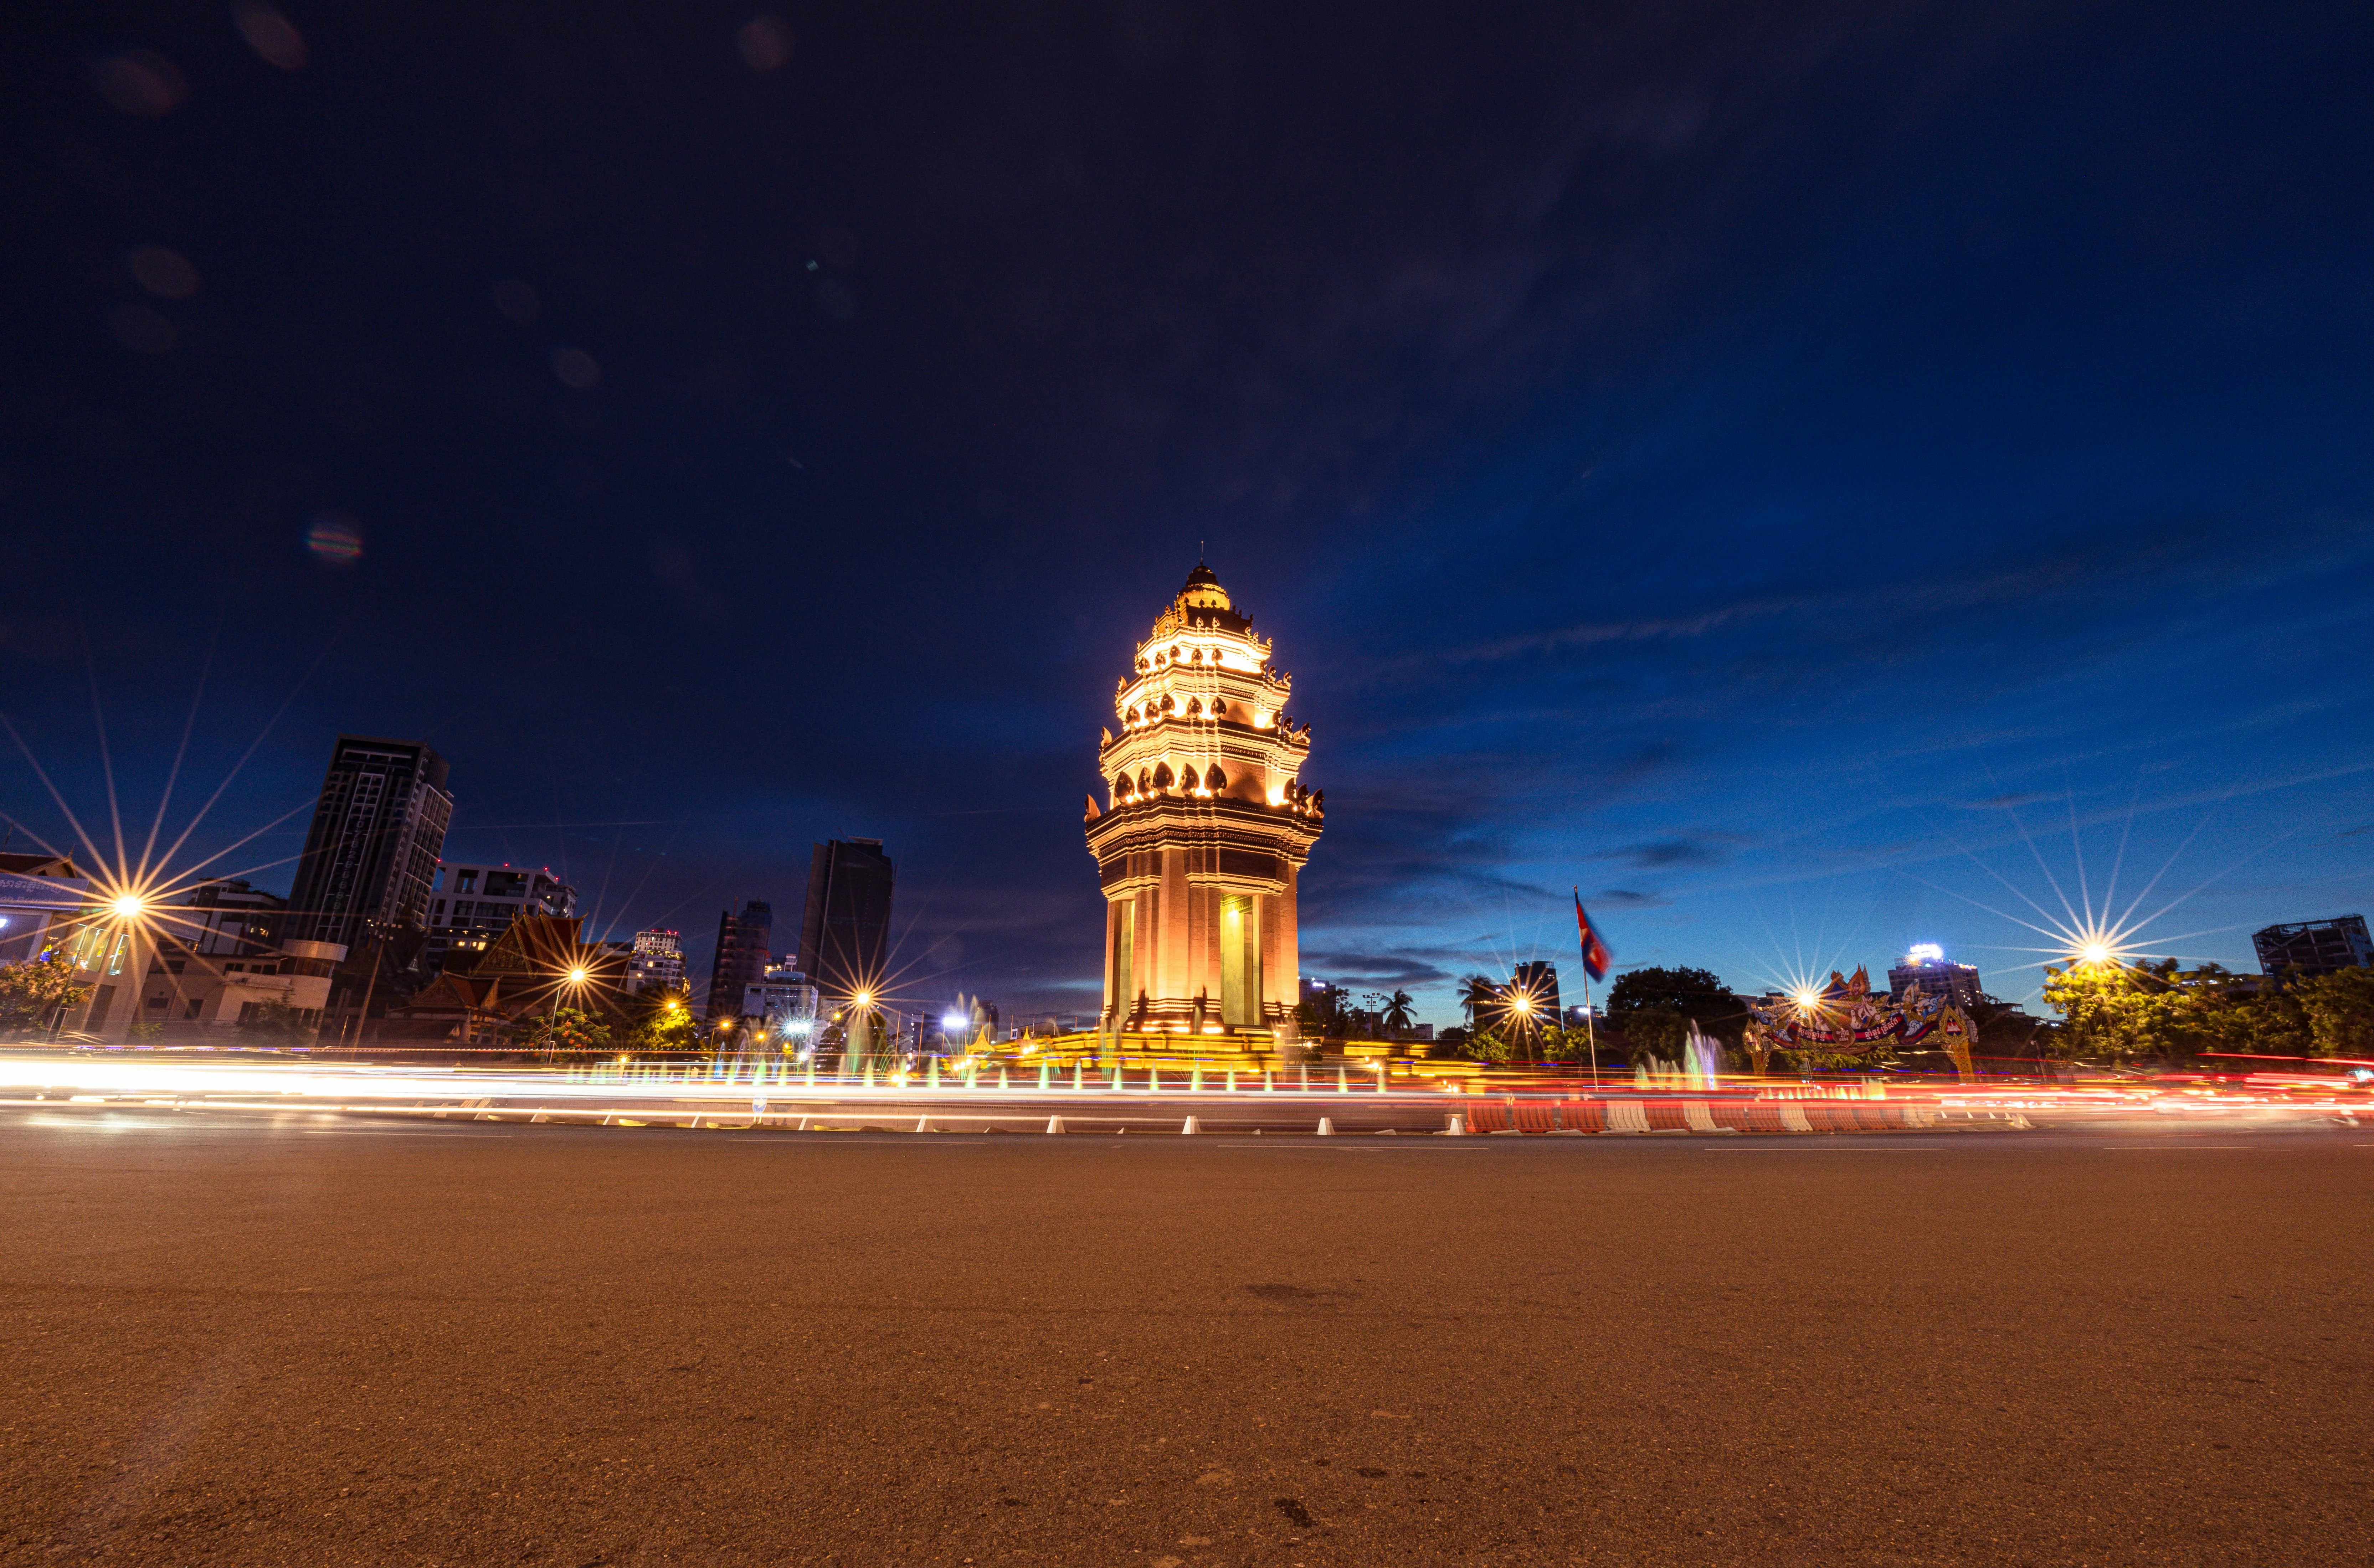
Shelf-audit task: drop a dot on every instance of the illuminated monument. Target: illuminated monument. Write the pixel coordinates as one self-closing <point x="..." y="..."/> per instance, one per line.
<point x="1204" y="829"/>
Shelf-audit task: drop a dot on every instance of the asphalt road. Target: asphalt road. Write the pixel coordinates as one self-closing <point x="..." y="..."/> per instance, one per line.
<point x="319" y="1341"/>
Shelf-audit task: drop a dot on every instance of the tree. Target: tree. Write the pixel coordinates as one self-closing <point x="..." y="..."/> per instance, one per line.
<point x="1695" y="994"/>
<point x="566" y="1029"/>
<point x="2158" y="1012"/>
<point x="1658" y="1031"/>
<point x="275" y="1024"/>
<point x="1477" y="998"/>
<point x="32" y="994"/>
<point x="2339" y="1011"/>
<point x="1491" y="1046"/>
<point x="2004" y="1031"/>
<point x="660" y="1020"/>
<point x="1567" y="1044"/>
<point x="1397" y="1010"/>
<point x="1324" y="1016"/>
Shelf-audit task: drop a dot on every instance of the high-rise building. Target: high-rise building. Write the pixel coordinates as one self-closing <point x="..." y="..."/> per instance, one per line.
<point x="845" y="929"/>
<point x="658" y="960"/>
<point x="2315" y="947"/>
<point x="741" y="956"/>
<point x="471" y="906"/>
<point x="371" y="855"/>
<point x="1205" y="828"/>
<point x="1537" y="979"/>
<point x="1958" y="983"/>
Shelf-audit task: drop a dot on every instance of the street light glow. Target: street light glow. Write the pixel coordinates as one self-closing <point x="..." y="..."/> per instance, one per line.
<point x="577" y="976"/>
<point x="129" y="907"/>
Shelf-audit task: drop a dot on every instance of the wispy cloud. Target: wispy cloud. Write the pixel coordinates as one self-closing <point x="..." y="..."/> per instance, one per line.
<point x="1659" y="854"/>
<point x="1380" y="969"/>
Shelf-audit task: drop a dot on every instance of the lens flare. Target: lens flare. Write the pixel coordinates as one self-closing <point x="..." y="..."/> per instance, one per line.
<point x="335" y="539"/>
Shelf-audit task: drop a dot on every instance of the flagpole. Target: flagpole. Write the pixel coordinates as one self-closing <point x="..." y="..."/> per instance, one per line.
<point x="1589" y="1027"/>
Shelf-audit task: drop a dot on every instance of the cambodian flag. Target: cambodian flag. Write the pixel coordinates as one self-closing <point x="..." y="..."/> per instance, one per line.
<point x="1596" y="955"/>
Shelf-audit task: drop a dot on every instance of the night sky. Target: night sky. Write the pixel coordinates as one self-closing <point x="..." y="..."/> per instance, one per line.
<point x="1760" y="463"/>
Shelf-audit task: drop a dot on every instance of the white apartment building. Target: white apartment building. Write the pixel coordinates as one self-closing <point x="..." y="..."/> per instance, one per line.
<point x="471" y="905"/>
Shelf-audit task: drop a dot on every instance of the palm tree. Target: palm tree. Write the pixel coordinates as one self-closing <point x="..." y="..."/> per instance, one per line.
<point x="1476" y="995"/>
<point x="1397" y="1010"/>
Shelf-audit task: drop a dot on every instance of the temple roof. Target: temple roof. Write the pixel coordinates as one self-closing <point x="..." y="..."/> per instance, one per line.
<point x="1204" y="591"/>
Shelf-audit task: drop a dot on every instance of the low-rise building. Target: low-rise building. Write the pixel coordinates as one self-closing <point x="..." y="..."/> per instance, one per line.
<point x="1925" y="965"/>
<point x="537" y="965"/>
<point x="2315" y="947"/>
<point x="784" y="1003"/>
<point x="40" y="895"/>
<point x="216" y="961"/>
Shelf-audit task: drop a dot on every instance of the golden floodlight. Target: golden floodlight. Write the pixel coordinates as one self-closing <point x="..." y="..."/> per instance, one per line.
<point x="1522" y="1002"/>
<point x="1807" y="999"/>
<point x="577" y="976"/>
<point x="864" y="999"/>
<point x="129" y="907"/>
<point x="2095" y="953"/>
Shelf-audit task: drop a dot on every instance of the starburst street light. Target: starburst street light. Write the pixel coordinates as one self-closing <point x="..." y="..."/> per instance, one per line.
<point x="129" y="907"/>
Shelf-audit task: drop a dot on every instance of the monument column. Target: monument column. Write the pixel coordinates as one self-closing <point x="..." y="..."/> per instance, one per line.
<point x="1172" y="965"/>
<point x="1281" y="978"/>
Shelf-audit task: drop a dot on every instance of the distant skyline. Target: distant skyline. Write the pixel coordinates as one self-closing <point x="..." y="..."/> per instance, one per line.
<point x="1759" y="465"/>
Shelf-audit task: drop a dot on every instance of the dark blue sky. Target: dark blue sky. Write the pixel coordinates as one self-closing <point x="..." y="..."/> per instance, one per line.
<point x="1754" y="461"/>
